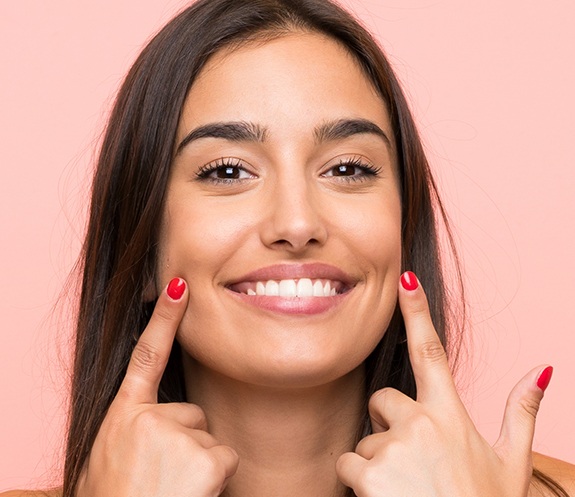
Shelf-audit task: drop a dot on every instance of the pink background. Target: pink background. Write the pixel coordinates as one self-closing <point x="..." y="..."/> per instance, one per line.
<point x="491" y="84"/>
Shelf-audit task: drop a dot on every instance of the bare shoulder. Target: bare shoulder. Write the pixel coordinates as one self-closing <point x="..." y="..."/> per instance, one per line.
<point x="57" y="492"/>
<point x="560" y="471"/>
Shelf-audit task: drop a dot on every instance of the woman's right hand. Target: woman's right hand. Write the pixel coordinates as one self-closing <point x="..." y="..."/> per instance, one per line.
<point x="148" y="449"/>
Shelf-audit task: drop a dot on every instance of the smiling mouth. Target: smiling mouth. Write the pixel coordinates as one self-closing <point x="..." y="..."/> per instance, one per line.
<point x="291" y="288"/>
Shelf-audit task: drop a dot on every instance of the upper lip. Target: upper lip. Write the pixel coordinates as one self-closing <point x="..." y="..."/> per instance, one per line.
<point x="294" y="271"/>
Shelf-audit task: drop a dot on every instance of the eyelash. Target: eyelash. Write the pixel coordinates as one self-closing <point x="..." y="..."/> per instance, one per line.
<point x="205" y="172"/>
<point x="367" y="171"/>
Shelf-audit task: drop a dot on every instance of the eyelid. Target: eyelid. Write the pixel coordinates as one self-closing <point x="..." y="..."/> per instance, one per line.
<point x="367" y="167"/>
<point x="204" y="172"/>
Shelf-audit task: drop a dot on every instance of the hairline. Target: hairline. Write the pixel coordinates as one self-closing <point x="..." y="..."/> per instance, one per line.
<point x="268" y="34"/>
<point x="290" y="28"/>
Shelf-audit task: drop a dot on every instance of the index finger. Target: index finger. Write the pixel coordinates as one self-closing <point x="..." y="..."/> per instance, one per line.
<point x="151" y="353"/>
<point x="426" y="352"/>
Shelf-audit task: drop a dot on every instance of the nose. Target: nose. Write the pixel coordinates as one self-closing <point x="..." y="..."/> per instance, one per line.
<point x="295" y="221"/>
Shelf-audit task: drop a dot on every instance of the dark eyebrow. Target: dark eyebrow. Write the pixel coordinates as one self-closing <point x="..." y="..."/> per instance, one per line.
<point x="232" y="131"/>
<point x="344" y="128"/>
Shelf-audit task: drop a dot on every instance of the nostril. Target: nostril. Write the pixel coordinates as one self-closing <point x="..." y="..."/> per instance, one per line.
<point x="288" y="231"/>
<point x="293" y="244"/>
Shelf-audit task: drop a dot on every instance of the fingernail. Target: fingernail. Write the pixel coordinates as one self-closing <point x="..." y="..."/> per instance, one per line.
<point x="176" y="288"/>
<point x="409" y="281"/>
<point x="545" y="378"/>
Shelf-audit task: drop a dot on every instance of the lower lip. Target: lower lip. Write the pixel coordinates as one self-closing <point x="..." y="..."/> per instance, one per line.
<point x="292" y="305"/>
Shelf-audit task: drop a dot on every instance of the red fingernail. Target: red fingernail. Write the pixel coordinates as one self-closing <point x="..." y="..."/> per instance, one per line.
<point x="409" y="281"/>
<point x="176" y="288"/>
<point x="545" y="378"/>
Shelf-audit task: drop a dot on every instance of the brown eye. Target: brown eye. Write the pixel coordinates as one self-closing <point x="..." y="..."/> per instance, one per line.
<point x="227" y="172"/>
<point x="352" y="170"/>
<point x="344" y="170"/>
<point x="224" y="171"/>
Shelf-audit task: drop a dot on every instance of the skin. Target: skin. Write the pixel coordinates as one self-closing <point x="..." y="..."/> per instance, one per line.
<point x="280" y="394"/>
<point x="282" y="375"/>
<point x="290" y="211"/>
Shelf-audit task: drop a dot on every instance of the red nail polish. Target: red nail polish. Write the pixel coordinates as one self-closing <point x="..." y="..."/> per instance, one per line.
<point x="409" y="281"/>
<point x="545" y="378"/>
<point x="176" y="288"/>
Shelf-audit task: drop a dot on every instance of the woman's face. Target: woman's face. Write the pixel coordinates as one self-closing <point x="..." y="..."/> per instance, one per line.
<point x="283" y="214"/>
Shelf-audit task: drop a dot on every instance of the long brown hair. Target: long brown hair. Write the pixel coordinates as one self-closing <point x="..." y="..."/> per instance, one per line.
<point x="120" y="250"/>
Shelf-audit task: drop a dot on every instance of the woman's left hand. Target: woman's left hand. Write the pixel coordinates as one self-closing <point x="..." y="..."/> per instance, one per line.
<point x="429" y="446"/>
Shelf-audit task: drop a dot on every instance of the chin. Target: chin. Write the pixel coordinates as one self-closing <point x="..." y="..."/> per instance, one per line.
<point x="280" y="351"/>
<point x="280" y="368"/>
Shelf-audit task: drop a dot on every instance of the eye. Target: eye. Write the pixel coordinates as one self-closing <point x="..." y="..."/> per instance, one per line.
<point x="225" y="170"/>
<point x="228" y="172"/>
<point x="345" y="170"/>
<point x="352" y="169"/>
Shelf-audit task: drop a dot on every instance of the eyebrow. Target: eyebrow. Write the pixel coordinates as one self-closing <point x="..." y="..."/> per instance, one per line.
<point x="233" y="131"/>
<point x="344" y="128"/>
<point x="242" y="131"/>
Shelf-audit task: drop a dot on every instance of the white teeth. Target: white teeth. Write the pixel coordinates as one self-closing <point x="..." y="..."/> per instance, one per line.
<point x="303" y="287"/>
<point x="272" y="288"/>
<point x="288" y="288"/>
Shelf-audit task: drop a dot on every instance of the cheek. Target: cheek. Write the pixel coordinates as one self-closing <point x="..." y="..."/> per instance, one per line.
<point x="195" y="240"/>
<point x="198" y="243"/>
<point x="377" y="246"/>
<point x="373" y="228"/>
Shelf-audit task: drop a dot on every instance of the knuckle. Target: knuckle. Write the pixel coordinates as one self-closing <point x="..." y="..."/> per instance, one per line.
<point x="362" y="445"/>
<point x="145" y="357"/>
<point x="198" y="415"/>
<point x="380" y="397"/>
<point x="422" y="427"/>
<point x="181" y="443"/>
<point x="370" y="478"/>
<point x="341" y="463"/>
<point x="233" y="456"/>
<point x="529" y="406"/>
<point x="419" y="312"/>
<point x="371" y="446"/>
<point x="164" y="313"/>
<point x="211" y="467"/>
<point x="147" y="422"/>
<point x="431" y="351"/>
<point x="420" y="309"/>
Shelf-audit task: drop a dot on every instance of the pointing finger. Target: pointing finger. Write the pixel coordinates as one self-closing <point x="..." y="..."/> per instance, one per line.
<point x="426" y="352"/>
<point x="518" y="427"/>
<point x="152" y="350"/>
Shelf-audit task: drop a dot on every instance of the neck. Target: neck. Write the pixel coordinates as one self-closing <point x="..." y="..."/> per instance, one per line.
<point x="288" y="439"/>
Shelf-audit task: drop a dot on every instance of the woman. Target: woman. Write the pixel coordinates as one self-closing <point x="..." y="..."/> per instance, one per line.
<point x="261" y="192"/>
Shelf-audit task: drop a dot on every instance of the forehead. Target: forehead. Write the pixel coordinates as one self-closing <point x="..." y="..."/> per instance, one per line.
<point x="288" y="83"/>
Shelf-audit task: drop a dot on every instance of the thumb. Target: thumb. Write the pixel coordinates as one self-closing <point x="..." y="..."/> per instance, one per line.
<point x="518" y="427"/>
